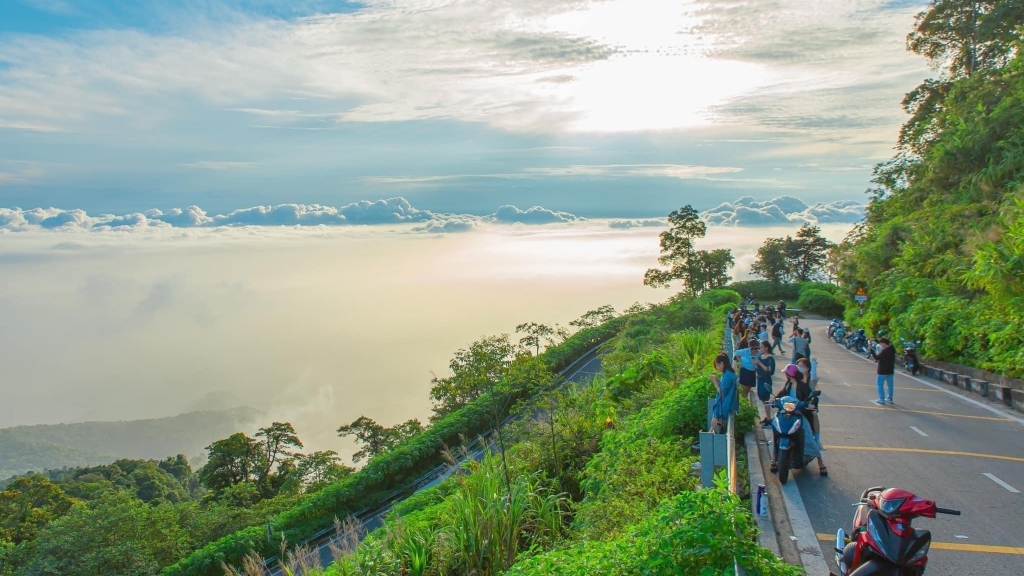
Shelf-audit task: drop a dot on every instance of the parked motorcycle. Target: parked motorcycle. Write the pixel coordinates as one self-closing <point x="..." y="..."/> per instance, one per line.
<point x="910" y="361"/>
<point x="793" y="442"/>
<point x="832" y="326"/>
<point x="858" y="341"/>
<point x="882" y="541"/>
<point x="840" y="334"/>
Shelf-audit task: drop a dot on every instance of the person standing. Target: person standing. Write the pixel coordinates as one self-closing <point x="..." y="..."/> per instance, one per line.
<point x="726" y="398"/>
<point x="799" y="345"/>
<point x="744" y="356"/>
<point x="765" y="369"/>
<point x="777" y="330"/>
<point x="886" y="370"/>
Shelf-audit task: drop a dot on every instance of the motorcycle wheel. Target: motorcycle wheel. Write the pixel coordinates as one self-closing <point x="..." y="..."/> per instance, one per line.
<point x="783" y="460"/>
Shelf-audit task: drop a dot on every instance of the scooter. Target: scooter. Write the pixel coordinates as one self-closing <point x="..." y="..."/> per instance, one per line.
<point x="858" y="341"/>
<point x="832" y="326"/>
<point x="882" y="541"/>
<point x="910" y="361"/>
<point x="873" y="349"/>
<point x="793" y="437"/>
<point x="839" y="334"/>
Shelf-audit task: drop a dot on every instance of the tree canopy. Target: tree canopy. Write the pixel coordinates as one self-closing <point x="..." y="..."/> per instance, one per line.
<point x="698" y="270"/>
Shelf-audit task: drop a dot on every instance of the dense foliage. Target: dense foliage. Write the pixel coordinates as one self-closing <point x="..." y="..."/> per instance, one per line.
<point x="602" y="478"/>
<point x="940" y="250"/>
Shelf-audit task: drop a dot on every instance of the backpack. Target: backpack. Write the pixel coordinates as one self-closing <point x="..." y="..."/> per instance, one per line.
<point x="777" y="330"/>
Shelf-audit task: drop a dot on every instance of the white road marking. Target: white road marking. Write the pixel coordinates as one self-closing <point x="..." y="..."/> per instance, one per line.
<point x="1000" y="482"/>
<point x="918" y="430"/>
<point x="961" y="536"/>
<point x="955" y="395"/>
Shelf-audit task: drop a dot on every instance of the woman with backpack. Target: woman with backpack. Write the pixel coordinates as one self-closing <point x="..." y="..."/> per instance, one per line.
<point x="764" y="365"/>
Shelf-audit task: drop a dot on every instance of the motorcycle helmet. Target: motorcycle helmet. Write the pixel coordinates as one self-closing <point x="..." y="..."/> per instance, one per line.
<point x="791" y="370"/>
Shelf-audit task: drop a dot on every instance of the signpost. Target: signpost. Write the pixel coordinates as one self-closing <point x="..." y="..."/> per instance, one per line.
<point x="861" y="297"/>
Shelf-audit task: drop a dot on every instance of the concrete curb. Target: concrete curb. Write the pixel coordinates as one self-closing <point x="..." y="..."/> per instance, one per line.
<point x="811" y="555"/>
<point x="780" y="524"/>
<point x="765" y="525"/>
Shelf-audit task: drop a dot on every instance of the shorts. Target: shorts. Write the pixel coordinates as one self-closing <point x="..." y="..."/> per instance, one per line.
<point x="747" y="377"/>
<point x="764" y="389"/>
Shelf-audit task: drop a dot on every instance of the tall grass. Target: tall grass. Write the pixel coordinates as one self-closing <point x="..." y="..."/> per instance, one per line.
<point x="480" y="529"/>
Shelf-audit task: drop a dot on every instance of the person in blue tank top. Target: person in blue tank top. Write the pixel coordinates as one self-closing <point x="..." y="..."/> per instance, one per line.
<point x="727" y="399"/>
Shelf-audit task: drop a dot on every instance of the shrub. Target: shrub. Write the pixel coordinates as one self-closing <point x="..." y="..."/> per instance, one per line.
<point x="692" y="533"/>
<point x="765" y="291"/>
<point x="718" y="297"/>
<point x="820" y="302"/>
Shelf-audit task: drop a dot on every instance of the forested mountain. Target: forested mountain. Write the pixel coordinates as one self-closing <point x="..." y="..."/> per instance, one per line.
<point x="942" y="249"/>
<point x="49" y="446"/>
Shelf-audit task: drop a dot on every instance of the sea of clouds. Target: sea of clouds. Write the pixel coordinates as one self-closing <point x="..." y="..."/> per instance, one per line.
<point x="745" y="211"/>
<point x="783" y="210"/>
<point x="389" y="211"/>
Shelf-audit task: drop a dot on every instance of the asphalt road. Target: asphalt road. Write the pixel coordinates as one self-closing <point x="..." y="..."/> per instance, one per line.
<point x="930" y="442"/>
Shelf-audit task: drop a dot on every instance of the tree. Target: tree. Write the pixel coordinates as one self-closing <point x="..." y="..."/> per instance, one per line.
<point x="772" y="263"/>
<point x="117" y="535"/>
<point x="473" y="371"/>
<point x="713" y="269"/>
<point x="791" y="259"/>
<point x="277" y="439"/>
<point x="810" y="250"/>
<point x="318" y="469"/>
<point x="233" y="460"/>
<point x="376" y="439"/>
<point x="27" y="505"/>
<point x="535" y="334"/>
<point x="593" y="318"/>
<point x="965" y="36"/>
<point x="697" y="269"/>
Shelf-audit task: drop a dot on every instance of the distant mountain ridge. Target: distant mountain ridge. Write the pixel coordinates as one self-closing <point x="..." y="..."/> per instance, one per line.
<point x="47" y="446"/>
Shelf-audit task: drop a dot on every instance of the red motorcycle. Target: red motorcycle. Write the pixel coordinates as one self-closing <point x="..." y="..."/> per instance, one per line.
<point x="882" y="542"/>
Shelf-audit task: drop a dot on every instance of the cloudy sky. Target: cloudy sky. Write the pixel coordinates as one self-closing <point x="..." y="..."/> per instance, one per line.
<point x="307" y="205"/>
<point x="618" y="108"/>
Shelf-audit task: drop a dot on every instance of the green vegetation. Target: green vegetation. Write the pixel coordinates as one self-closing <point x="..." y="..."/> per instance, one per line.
<point x="45" y="447"/>
<point x="940" y="249"/>
<point x="599" y="480"/>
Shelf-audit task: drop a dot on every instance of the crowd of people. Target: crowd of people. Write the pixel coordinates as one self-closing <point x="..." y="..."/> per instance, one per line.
<point x="758" y="332"/>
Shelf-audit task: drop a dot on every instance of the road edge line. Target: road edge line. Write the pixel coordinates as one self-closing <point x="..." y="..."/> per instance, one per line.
<point x="977" y="403"/>
<point x="811" y="555"/>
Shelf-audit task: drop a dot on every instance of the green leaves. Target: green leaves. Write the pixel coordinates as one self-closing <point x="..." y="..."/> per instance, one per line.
<point x="699" y="270"/>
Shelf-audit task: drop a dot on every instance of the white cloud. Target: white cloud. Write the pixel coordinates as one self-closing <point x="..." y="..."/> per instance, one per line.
<point x="365" y="212"/>
<point x="535" y="215"/>
<point x="627" y="224"/>
<point x="747" y="211"/>
<point x="545" y="65"/>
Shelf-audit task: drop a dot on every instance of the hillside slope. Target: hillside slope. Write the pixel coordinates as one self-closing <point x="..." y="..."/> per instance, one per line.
<point x="46" y="446"/>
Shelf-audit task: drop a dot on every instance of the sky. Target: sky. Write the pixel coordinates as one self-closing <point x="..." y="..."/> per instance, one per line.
<point x="617" y="108"/>
<point x="306" y="206"/>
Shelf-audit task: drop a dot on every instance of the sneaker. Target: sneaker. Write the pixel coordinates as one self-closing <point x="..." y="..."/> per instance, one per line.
<point x="766" y="423"/>
<point x="889" y="400"/>
<point x="879" y="402"/>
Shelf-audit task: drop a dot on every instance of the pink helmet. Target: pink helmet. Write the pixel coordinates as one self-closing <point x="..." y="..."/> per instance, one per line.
<point x="791" y="370"/>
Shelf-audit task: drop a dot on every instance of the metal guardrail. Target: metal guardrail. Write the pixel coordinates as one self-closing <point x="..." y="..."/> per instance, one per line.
<point x="474" y="450"/>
